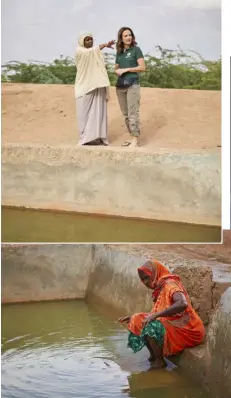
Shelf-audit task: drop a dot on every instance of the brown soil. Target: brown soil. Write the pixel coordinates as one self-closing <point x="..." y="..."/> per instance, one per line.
<point x="170" y="119"/>
<point x="212" y="252"/>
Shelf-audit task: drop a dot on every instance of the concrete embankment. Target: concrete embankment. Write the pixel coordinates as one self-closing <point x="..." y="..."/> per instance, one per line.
<point x="210" y="364"/>
<point x="108" y="277"/>
<point x="45" y="272"/>
<point x="218" y="348"/>
<point x="181" y="187"/>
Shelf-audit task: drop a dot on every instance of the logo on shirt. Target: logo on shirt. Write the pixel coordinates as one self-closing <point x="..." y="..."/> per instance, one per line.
<point x="128" y="55"/>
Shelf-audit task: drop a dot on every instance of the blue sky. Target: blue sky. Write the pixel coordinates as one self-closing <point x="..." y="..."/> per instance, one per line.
<point x="44" y="29"/>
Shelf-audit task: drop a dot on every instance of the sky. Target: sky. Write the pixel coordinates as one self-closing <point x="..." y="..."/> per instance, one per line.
<point x="42" y="30"/>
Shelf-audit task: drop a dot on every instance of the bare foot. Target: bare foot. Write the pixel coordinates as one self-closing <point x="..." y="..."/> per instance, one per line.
<point x="134" y="142"/>
<point x="158" y="364"/>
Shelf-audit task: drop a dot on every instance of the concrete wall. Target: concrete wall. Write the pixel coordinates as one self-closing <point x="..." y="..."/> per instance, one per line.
<point x="218" y="348"/>
<point x="45" y="272"/>
<point x="114" y="181"/>
<point x="100" y="272"/>
<point x="210" y="364"/>
<point x="108" y="276"/>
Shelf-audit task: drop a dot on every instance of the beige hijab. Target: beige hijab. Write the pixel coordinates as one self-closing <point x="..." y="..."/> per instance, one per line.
<point x="91" y="70"/>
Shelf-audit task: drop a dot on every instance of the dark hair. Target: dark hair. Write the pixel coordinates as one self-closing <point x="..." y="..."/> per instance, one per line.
<point x="143" y="275"/>
<point x="120" y="44"/>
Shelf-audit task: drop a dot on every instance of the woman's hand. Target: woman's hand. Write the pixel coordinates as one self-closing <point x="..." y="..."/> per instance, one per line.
<point x="110" y="44"/>
<point x="149" y="319"/>
<point x="120" y="72"/>
<point x="107" y="45"/>
<point x="125" y="319"/>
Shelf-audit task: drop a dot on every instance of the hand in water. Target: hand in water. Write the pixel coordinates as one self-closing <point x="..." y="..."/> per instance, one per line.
<point x="125" y="319"/>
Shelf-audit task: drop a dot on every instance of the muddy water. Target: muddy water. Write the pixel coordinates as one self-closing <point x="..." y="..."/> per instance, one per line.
<point x="68" y="349"/>
<point x="23" y="225"/>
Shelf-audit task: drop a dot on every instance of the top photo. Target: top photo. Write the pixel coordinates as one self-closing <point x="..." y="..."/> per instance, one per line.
<point x="111" y="121"/>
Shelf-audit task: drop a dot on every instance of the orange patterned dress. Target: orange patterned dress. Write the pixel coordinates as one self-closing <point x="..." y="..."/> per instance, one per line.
<point x="180" y="331"/>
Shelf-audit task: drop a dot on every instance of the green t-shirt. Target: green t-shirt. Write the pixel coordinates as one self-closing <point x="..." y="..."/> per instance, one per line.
<point x="128" y="59"/>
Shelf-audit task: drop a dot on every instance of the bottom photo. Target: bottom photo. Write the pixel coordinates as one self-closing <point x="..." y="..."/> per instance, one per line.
<point x="104" y="320"/>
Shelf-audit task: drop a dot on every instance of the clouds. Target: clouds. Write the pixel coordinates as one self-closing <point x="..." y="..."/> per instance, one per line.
<point x="184" y="4"/>
<point x="196" y="4"/>
<point x="180" y="4"/>
<point x="44" y="29"/>
<point x="81" y="6"/>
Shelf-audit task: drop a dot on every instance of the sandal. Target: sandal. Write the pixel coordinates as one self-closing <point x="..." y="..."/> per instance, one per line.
<point x="126" y="143"/>
<point x="102" y="142"/>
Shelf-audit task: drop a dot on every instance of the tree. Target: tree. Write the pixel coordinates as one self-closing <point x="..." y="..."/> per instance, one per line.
<point x="169" y="69"/>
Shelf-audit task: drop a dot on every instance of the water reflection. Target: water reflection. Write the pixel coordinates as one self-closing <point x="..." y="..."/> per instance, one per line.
<point x="68" y="349"/>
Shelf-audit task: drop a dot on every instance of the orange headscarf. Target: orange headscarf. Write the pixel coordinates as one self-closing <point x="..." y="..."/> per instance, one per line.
<point x="159" y="275"/>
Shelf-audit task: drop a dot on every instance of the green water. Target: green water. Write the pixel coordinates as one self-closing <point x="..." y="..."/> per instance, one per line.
<point x="23" y="225"/>
<point x="71" y="350"/>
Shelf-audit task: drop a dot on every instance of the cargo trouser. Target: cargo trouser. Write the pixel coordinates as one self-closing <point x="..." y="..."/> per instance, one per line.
<point x="129" y="101"/>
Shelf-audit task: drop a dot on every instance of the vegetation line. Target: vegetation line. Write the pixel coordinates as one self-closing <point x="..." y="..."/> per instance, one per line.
<point x="179" y="69"/>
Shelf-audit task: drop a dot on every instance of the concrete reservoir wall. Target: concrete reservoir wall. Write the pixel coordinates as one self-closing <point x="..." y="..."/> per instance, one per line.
<point x="108" y="277"/>
<point x="182" y="187"/>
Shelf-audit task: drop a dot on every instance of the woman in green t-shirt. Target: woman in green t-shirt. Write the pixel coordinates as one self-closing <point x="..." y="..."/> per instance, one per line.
<point x="129" y="63"/>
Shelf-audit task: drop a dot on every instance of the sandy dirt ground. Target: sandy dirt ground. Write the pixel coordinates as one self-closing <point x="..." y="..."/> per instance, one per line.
<point x="170" y="119"/>
<point x="210" y="252"/>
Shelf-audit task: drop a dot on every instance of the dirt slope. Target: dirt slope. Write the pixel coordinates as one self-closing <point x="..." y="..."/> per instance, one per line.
<point x="172" y="119"/>
<point x="216" y="252"/>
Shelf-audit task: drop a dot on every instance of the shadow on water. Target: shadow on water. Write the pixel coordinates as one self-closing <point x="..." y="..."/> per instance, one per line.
<point x="69" y="349"/>
<point x="26" y="225"/>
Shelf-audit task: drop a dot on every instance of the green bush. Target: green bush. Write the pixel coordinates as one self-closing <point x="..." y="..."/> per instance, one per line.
<point x="170" y="69"/>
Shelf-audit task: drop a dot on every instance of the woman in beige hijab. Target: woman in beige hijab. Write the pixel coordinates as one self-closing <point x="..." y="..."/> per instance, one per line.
<point x="91" y="91"/>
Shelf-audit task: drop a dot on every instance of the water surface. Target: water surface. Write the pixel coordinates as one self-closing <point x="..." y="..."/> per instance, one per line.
<point x="70" y="350"/>
<point x="24" y="225"/>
